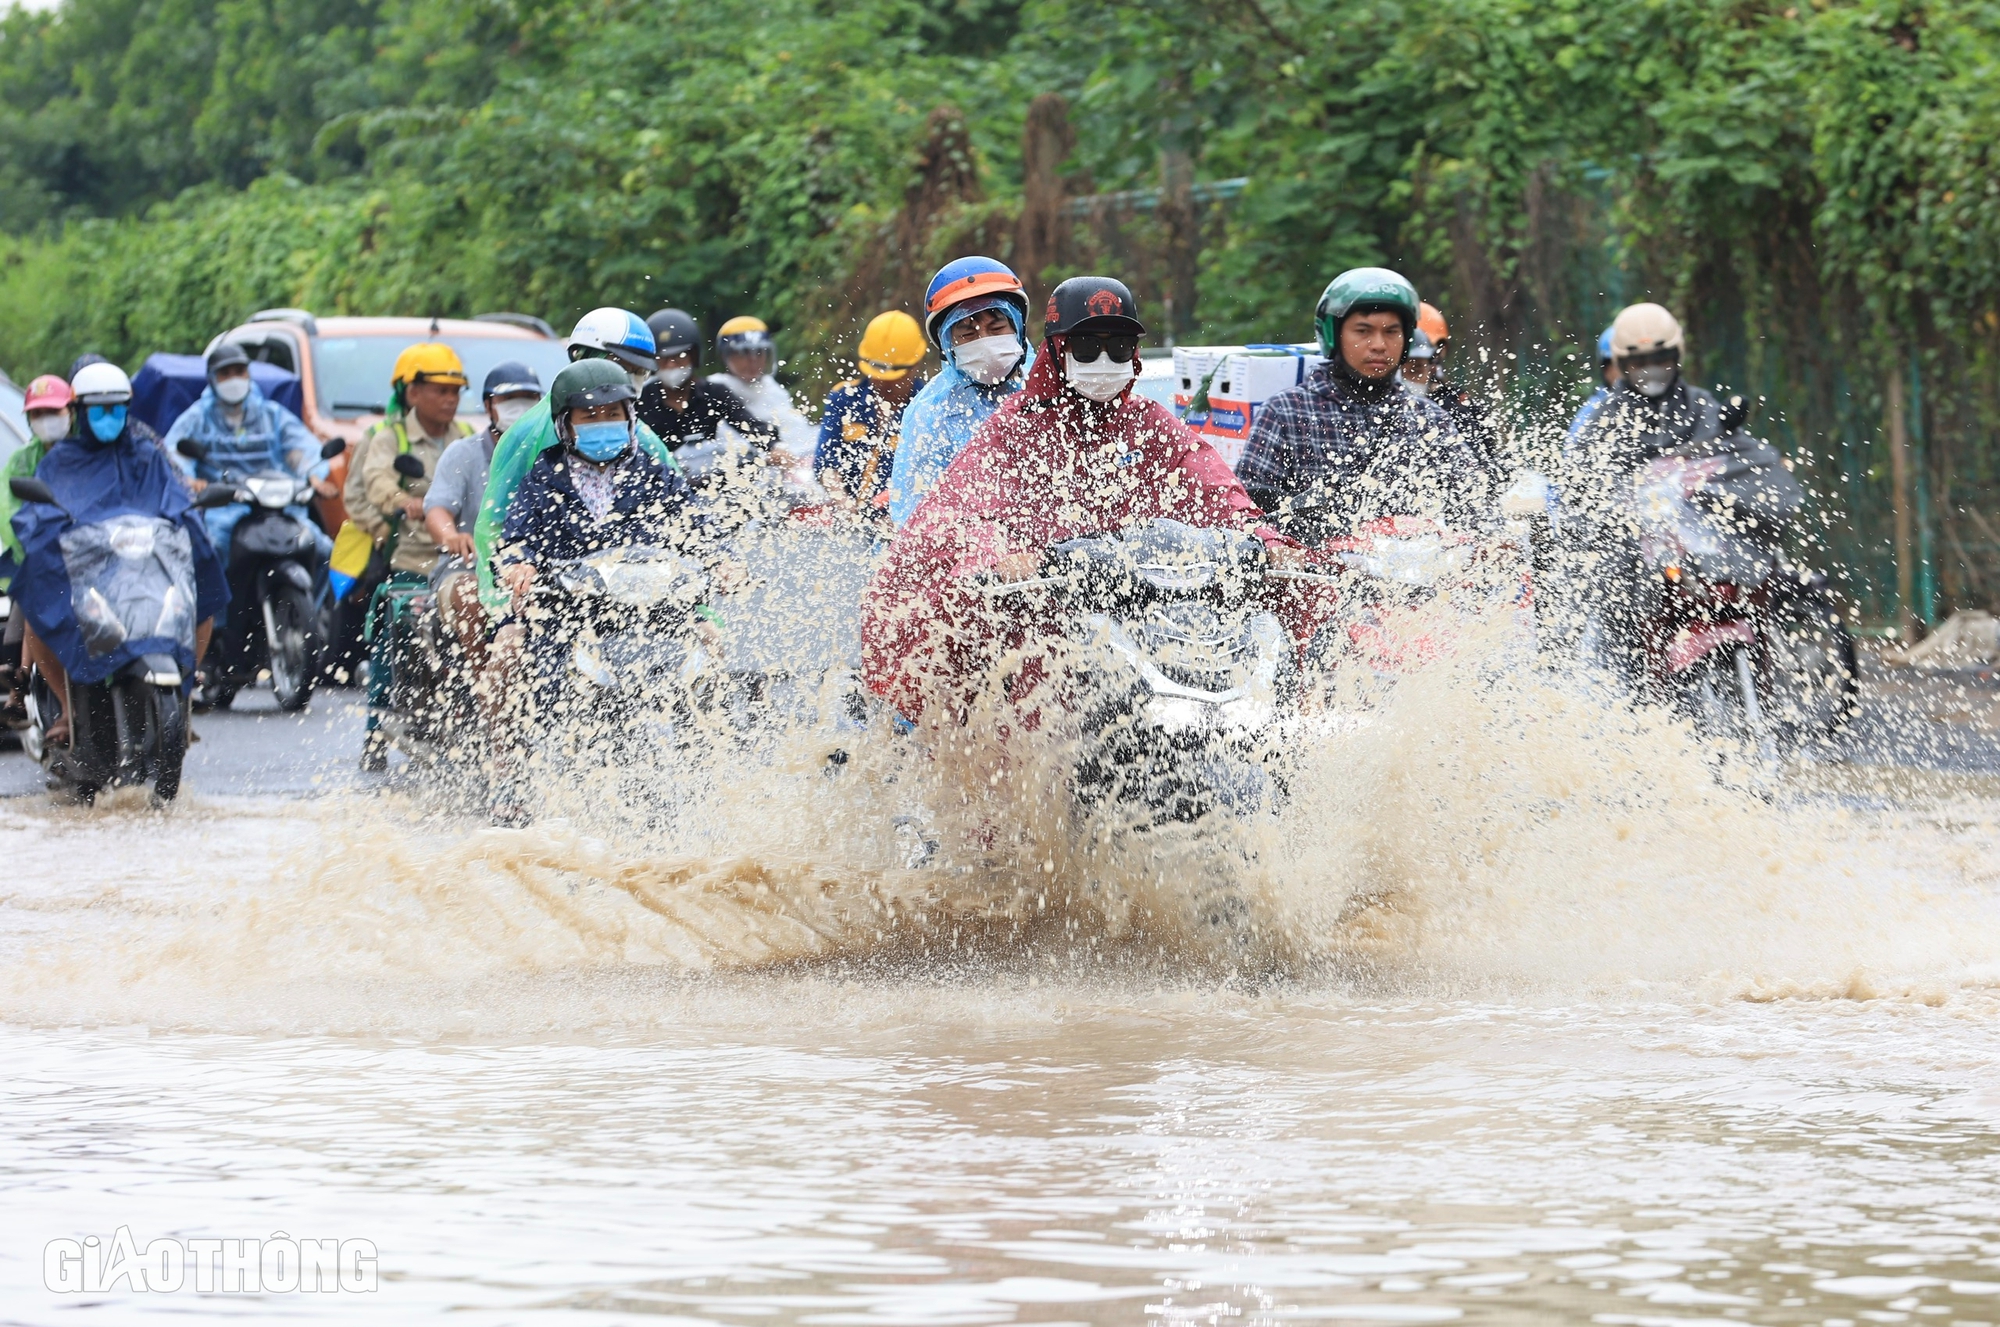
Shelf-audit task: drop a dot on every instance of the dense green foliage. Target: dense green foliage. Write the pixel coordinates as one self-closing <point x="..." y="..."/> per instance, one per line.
<point x="1812" y="184"/>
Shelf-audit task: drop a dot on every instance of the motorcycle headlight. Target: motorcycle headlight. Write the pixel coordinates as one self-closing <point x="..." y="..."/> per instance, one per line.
<point x="271" y="490"/>
<point x="590" y="665"/>
<point x="132" y="540"/>
<point x="580" y="579"/>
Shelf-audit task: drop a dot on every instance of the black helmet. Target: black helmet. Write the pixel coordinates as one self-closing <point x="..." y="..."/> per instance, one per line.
<point x="1099" y="300"/>
<point x="225" y="355"/>
<point x="513" y="378"/>
<point x="674" y="331"/>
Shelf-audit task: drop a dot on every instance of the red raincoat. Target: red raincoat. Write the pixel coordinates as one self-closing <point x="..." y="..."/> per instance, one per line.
<point x="1048" y="466"/>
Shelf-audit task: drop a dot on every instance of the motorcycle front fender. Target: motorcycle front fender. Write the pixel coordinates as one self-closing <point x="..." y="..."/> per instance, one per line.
<point x="1693" y="644"/>
<point x="294" y="574"/>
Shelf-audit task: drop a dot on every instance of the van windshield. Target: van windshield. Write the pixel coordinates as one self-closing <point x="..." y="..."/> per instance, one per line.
<point x="353" y="371"/>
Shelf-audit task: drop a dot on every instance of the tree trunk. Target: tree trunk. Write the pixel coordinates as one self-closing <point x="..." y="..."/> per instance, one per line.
<point x="1183" y="226"/>
<point x="1046" y="142"/>
<point x="1906" y="534"/>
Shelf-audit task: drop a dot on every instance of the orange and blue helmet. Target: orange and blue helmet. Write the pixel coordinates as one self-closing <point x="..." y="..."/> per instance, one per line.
<point x="965" y="279"/>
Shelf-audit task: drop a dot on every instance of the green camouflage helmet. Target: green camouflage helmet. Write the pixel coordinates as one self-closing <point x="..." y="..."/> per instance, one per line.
<point x="1363" y="288"/>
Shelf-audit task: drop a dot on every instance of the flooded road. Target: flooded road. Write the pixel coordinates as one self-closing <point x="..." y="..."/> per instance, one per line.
<point x="1574" y="1037"/>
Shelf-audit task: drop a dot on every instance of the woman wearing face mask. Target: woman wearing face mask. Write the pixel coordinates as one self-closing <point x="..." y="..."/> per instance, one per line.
<point x="976" y="315"/>
<point x="101" y="469"/>
<point x="1075" y="453"/>
<point x="685" y="411"/>
<point x="50" y="420"/>
<point x="243" y="432"/>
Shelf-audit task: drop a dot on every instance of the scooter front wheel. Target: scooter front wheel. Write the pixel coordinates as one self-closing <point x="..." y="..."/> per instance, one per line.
<point x="294" y="649"/>
<point x="169" y="742"/>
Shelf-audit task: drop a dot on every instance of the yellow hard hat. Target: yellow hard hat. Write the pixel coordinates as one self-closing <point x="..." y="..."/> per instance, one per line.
<point x="429" y="361"/>
<point x="892" y="346"/>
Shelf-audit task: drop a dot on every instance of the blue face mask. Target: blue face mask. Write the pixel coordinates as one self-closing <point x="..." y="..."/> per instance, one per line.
<point x="602" y="442"/>
<point x="106" y="421"/>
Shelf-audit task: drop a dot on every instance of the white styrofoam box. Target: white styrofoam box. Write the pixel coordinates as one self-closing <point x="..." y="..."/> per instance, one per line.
<point x="1192" y="363"/>
<point x="1246" y="380"/>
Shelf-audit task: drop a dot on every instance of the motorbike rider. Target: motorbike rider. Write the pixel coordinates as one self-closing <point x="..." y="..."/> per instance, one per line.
<point x="422" y="421"/>
<point x="1077" y="452"/>
<point x="1349" y="443"/>
<point x="687" y="412"/>
<point x="597" y="490"/>
<point x="1651" y="412"/>
<point x="976" y="314"/>
<point x="99" y="470"/>
<point x="451" y="506"/>
<point x="50" y="420"/>
<point x="864" y="415"/>
<point x="610" y="334"/>
<point x="242" y="432"/>
<point x="1608" y="375"/>
<point x="749" y="360"/>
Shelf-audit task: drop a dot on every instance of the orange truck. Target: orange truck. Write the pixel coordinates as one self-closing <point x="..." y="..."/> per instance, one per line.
<point x="343" y="366"/>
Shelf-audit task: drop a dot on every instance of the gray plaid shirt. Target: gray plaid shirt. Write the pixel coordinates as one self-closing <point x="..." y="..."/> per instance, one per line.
<point x="1325" y="455"/>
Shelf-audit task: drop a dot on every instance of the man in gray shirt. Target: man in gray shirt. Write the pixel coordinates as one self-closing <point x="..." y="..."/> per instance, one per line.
<point x="451" y="507"/>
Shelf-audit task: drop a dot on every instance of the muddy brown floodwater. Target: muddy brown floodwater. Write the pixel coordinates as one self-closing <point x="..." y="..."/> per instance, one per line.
<point x="1571" y="1025"/>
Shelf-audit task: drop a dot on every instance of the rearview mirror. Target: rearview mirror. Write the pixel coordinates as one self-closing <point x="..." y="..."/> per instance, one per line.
<point x="29" y="489"/>
<point x="192" y="448"/>
<point x="331" y="448"/>
<point x="409" y="466"/>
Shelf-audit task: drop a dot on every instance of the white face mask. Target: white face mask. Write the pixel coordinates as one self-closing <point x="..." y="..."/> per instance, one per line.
<point x="50" y="426"/>
<point x="1417" y="388"/>
<point x="232" y="391"/>
<point x="1099" y="380"/>
<point x="989" y="359"/>
<point x="509" y="410"/>
<point x="1653" y="379"/>
<point x="676" y="378"/>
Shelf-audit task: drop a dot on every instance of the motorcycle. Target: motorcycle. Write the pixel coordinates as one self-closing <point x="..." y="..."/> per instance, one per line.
<point x="618" y="645"/>
<point x="131" y="578"/>
<point x="275" y="621"/>
<point x="1174" y="681"/>
<point x="1745" y="646"/>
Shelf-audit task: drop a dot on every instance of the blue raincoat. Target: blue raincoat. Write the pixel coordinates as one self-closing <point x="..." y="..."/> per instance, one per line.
<point x="937" y="424"/>
<point x="93" y="484"/>
<point x="269" y="439"/>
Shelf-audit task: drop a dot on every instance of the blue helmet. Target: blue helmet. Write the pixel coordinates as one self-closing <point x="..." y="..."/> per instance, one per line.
<point x="963" y="279"/>
<point x="618" y="334"/>
<point x="1604" y="347"/>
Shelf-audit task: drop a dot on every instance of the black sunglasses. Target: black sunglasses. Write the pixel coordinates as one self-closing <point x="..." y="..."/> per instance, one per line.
<point x="1089" y="346"/>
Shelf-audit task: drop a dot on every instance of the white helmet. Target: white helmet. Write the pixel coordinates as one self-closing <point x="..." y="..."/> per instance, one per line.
<point x="614" y="334"/>
<point x="1644" y="329"/>
<point x="101" y="384"/>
